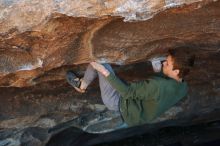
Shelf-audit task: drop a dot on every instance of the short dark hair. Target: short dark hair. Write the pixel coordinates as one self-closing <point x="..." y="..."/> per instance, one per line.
<point x="183" y="60"/>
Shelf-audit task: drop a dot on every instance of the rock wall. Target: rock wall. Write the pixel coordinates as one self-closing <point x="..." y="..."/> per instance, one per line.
<point x="23" y="15"/>
<point x="65" y="40"/>
<point x="41" y="40"/>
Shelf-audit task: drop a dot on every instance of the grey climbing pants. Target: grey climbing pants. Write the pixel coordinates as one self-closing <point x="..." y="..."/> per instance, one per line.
<point x="110" y="96"/>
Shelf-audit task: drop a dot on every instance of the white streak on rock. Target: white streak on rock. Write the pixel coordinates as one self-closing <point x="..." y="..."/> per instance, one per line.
<point x="30" y="66"/>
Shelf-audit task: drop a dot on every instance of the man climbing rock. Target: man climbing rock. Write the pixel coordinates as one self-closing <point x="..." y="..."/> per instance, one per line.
<point x="143" y="101"/>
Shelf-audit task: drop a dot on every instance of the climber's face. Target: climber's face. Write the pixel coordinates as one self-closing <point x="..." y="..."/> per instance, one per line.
<point x="168" y="68"/>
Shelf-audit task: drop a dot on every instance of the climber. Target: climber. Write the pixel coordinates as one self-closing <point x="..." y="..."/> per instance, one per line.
<point x="140" y="102"/>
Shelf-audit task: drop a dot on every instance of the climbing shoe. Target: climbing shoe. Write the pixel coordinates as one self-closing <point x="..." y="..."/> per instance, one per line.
<point x="74" y="81"/>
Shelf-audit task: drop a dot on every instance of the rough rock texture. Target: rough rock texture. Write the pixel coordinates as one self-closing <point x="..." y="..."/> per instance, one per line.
<point x="15" y="12"/>
<point x="195" y="135"/>
<point x="28" y="55"/>
<point x="41" y="40"/>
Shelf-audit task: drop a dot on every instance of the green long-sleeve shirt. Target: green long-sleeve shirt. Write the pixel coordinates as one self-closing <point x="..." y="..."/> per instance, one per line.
<point x="142" y="102"/>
